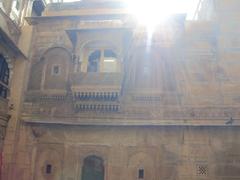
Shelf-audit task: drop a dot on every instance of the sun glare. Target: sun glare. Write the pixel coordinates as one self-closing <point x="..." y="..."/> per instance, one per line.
<point x="150" y="13"/>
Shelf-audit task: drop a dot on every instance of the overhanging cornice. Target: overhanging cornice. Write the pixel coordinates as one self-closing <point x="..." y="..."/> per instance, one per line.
<point x="39" y="19"/>
<point x="10" y="45"/>
<point x="72" y="33"/>
<point x="9" y="34"/>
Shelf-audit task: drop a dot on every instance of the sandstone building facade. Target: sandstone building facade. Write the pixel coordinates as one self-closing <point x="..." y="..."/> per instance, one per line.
<point x="15" y="39"/>
<point x="93" y="96"/>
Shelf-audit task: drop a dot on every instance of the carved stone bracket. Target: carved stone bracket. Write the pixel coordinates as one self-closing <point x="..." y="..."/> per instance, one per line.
<point x="38" y="131"/>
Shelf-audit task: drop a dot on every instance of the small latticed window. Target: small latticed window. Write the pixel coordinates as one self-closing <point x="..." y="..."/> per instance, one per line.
<point x="141" y="174"/>
<point x="56" y="70"/>
<point x="202" y="170"/>
<point x="48" y="169"/>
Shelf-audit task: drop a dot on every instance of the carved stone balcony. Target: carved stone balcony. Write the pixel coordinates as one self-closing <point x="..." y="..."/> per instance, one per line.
<point x="94" y="106"/>
<point x="96" y="91"/>
<point x="96" y="83"/>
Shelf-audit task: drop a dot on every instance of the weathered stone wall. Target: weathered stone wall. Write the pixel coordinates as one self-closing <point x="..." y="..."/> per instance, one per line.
<point x="163" y="152"/>
<point x="52" y="34"/>
<point x="187" y="77"/>
<point x="185" y="70"/>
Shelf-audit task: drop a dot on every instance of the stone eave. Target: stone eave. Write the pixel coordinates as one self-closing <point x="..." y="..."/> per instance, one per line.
<point x="86" y="4"/>
<point x="129" y="122"/>
<point x="10" y="45"/>
<point x="98" y="29"/>
<point x="9" y="28"/>
<point x="39" y="19"/>
<point x="72" y="33"/>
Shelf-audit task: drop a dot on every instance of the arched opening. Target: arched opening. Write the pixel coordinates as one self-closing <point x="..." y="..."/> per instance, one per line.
<point x="93" y="61"/>
<point x="108" y="58"/>
<point x="109" y="61"/>
<point x="37" y="7"/>
<point x="101" y="56"/>
<point x="93" y="168"/>
<point x="4" y="77"/>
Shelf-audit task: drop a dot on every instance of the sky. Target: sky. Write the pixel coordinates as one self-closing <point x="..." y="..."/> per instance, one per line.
<point x="163" y="7"/>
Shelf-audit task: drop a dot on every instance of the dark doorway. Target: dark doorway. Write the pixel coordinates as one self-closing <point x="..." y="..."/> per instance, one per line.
<point x="93" y="168"/>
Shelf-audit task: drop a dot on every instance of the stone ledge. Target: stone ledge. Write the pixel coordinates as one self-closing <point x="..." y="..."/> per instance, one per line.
<point x="129" y="122"/>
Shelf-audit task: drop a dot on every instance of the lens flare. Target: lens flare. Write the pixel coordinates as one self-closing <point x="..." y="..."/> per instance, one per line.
<point x="150" y="13"/>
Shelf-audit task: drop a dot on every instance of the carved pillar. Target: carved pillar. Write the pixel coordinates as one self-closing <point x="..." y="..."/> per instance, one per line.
<point x="101" y="61"/>
<point x="43" y="76"/>
<point x="105" y="170"/>
<point x="3" y="125"/>
<point x="76" y="63"/>
<point x="4" y="116"/>
<point x="80" y="165"/>
<point x="2" y="133"/>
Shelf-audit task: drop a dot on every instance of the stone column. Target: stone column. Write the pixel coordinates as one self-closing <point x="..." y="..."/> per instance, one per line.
<point x="12" y="134"/>
<point x="101" y="61"/>
<point x="71" y="166"/>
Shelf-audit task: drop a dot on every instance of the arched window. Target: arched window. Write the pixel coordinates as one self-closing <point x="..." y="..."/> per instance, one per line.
<point x="4" y="77"/>
<point x="38" y="7"/>
<point x="109" y="61"/>
<point x="93" y="168"/>
<point x="93" y="61"/>
<point x="101" y="56"/>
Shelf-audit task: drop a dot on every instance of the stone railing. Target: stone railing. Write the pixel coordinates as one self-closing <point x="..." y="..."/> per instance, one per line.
<point x="45" y="97"/>
<point x="97" y="106"/>
<point x="31" y="108"/>
<point x="96" y="82"/>
<point x="96" y="91"/>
